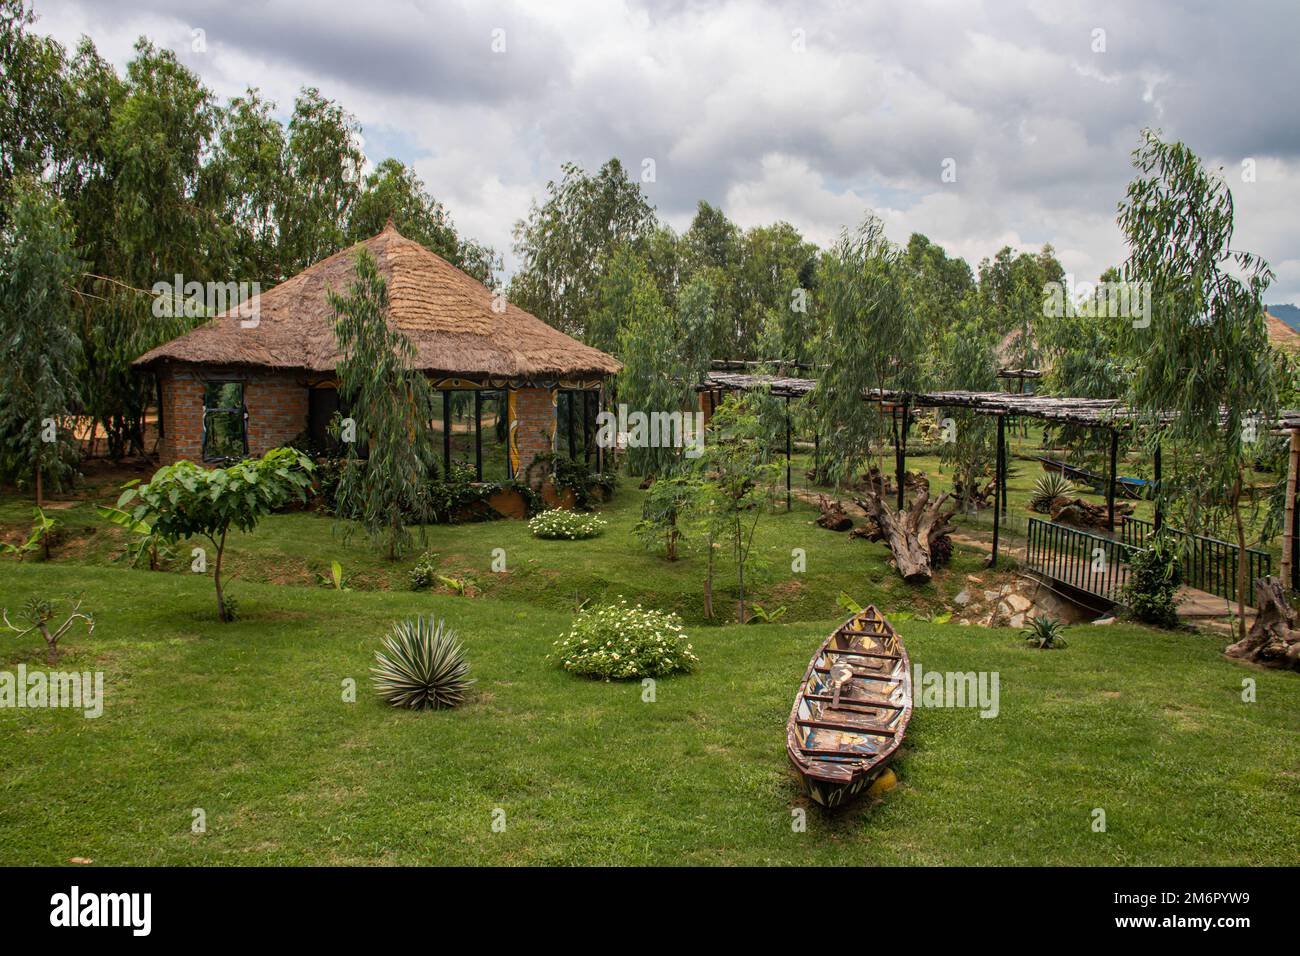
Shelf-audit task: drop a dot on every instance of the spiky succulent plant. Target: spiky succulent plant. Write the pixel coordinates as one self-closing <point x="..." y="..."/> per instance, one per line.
<point x="421" y="665"/>
<point x="1047" y="489"/>
<point x="1045" y="633"/>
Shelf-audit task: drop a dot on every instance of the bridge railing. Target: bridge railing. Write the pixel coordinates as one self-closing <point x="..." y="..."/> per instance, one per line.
<point x="1208" y="564"/>
<point x="1081" y="559"/>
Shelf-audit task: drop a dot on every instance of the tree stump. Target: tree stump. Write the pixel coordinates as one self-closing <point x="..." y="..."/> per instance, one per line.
<point x="913" y="535"/>
<point x="1081" y="514"/>
<point x="832" y="517"/>
<point x="1273" y="639"/>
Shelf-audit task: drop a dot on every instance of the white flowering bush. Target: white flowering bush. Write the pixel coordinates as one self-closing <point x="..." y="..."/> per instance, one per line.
<point x="620" y="642"/>
<point x="566" y="525"/>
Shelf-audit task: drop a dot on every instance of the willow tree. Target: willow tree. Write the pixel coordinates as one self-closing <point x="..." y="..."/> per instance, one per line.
<point x="390" y="405"/>
<point x="1200" y="370"/>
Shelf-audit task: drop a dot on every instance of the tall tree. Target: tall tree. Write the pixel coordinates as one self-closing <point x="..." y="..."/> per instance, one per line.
<point x="39" y="348"/>
<point x="31" y="92"/>
<point x="324" y="175"/>
<point x="564" y="243"/>
<point x="862" y="305"/>
<point x="394" y="191"/>
<point x="1204" y="357"/>
<point x="252" y="163"/>
<point x="656" y="376"/>
<point x="391" y="404"/>
<point x="772" y="286"/>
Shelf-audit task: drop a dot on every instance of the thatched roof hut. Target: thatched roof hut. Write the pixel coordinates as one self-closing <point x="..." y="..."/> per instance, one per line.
<point x="262" y="374"/>
<point x="447" y="314"/>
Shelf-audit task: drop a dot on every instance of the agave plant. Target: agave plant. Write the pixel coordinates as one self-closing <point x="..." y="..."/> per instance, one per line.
<point x="1047" y="489"/>
<point x="421" y="665"/>
<point x="1045" y="633"/>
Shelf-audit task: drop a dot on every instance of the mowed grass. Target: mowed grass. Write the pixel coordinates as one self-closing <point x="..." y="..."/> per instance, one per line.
<point x="295" y="548"/>
<point x="247" y="722"/>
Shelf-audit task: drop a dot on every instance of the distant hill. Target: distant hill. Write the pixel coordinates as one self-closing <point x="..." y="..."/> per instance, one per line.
<point x="1290" y="314"/>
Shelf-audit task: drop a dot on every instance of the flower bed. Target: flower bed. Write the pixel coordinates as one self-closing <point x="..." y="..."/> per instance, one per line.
<point x="621" y="642"/>
<point x="566" y="525"/>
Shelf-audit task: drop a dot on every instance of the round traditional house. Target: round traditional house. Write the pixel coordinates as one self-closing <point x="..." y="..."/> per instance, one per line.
<point x="263" y="374"/>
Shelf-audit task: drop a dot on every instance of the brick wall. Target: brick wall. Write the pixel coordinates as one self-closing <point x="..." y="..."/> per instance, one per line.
<point x="182" y="398"/>
<point x="277" y="413"/>
<point x="535" y="413"/>
<point x="277" y="410"/>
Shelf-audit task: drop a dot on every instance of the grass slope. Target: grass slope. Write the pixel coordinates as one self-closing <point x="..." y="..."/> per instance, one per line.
<point x="247" y="722"/>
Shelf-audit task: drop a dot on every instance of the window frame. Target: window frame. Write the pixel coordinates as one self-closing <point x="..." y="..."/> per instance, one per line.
<point x="241" y="410"/>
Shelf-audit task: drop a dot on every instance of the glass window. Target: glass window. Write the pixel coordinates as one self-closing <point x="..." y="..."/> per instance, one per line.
<point x="460" y="421"/>
<point x="225" y="421"/>
<point x="576" y="425"/>
<point x="494" y="436"/>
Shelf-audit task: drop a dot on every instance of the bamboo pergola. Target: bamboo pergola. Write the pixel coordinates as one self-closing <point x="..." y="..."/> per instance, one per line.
<point x="1106" y="413"/>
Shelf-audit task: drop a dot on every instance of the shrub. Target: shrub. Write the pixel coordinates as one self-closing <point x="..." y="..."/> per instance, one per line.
<point x="668" y="504"/>
<point x="1047" y="489"/>
<point x="566" y="525"/>
<point x="421" y="665"/>
<point x="566" y="474"/>
<point x="38" y="540"/>
<point x="1045" y="633"/>
<point x="423" y="573"/>
<point x="1154" y="576"/>
<point x="618" y="642"/>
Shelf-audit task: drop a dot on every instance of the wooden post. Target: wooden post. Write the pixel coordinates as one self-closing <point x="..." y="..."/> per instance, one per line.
<point x="787" y="453"/>
<point x="478" y="435"/>
<point x="1289" y="570"/>
<point x="1110" y="487"/>
<point x="1000" y="487"/>
<point x="446" y="433"/>
<point x="900" y="452"/>
<point x="1157" y="490"/>
<point x="997" y="481"/>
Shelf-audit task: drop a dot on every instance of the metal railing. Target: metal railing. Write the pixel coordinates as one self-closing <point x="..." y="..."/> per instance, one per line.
<point x="1208" y="564"/>
<point x="1090" y="562"/>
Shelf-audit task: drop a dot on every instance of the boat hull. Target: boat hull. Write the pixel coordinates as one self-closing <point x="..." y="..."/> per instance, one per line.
<point x="851" y="711"/>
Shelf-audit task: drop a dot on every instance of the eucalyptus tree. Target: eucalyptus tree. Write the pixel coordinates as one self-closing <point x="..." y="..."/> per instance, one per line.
<point x="39" y="348"/>
<point x="1200" y="367"/>
<point x="323" y="168"/>
<point x="394" y="191"/>
<point x="31" y="88"/>
<point x="657" y="375"/>
<point x="252" y="163"/>
<point x="775" y="285"/>
<point x="869" y="339"/>
<point x="566" y="240"/>
<point x="391" y="405"/>
<point x="1011" y="286"/>
<point x="965" y="357"/>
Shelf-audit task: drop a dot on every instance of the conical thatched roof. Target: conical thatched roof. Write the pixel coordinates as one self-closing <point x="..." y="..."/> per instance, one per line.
<point x="445" y="313"/>
<point x="1281" y="335"/>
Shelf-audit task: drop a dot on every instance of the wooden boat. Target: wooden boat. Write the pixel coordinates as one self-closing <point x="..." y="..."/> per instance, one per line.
<point x="852" y="709"/>
<point x="1125" y="486"/>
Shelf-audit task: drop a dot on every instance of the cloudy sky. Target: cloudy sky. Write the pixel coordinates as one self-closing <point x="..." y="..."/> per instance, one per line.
<point x="803" y="111"/>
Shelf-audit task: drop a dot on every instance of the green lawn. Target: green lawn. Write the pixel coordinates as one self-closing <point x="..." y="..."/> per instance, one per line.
<point x="294" y="548"/>
<point x="247" y="722"/>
